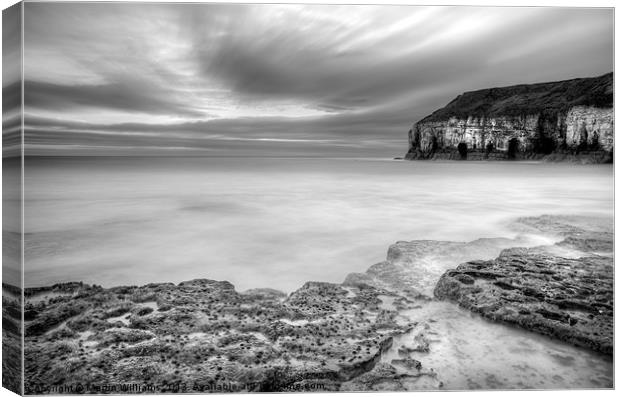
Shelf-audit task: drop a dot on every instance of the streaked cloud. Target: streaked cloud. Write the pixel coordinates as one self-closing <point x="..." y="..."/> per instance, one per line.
<point x="139" y="96"/>
<point x="230" y="79"/>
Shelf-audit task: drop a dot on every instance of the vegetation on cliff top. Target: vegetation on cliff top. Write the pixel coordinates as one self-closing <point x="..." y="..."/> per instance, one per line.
<point x="517" y="100"/>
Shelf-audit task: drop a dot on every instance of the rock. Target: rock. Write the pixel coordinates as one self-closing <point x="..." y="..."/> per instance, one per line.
<point x="382" y="377"/>
<point x="358" y="280"/>
<point x="569" y="299"/>
<point x="386" y="318"/>
<point x="570" y="120"/>
<point x="324" y="336"/>
<point x="408" y="363"/>
<point x="590" y="242"/>
<point x="567" y="226"/>
<point x="265" y="292"/>
<point x="47" y="320"/>
<point x="464" y="279"/>
<point x="143" y="311"/>
<point x="421" y="344"/>
<point x="204" y="332"/>
<point x="11" y="339"/>
<point x="115" y="336"/>
<point x="563" y="290"/>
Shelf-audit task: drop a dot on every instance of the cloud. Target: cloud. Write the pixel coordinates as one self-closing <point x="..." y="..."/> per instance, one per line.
<point x="218" y="76"/>
<point x="374" y="62"/>
<point x="11" y="45"/>
<point x="11" y="82"/>
<point x="352" y="135"/>
<point x="131" y="94"/>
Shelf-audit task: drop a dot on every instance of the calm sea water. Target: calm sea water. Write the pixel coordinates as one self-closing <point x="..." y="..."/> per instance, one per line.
<point x="281" y="222"/>
<point x="274" y="222"/>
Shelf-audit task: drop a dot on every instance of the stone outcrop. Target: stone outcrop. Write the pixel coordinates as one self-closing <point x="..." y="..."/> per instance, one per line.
<point x="378" y="330"/>
<point x="563" y="120"/>
<point x="564" y="291"/>
<point x="202" y="335"/>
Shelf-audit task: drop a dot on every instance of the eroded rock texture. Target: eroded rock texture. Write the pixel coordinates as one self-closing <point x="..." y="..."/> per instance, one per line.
<point x="565" y="120"/>
<point x="202" y="333"/>
<point x="564" y="291"/>
<point x="379" y="330"/>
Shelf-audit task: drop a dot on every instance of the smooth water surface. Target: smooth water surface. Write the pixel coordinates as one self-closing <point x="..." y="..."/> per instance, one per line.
<point x="274" y="222"/>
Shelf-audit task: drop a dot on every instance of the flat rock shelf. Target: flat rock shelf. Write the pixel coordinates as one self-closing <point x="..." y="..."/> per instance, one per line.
<point x="569" y="299"/>
<point x="434" y="315"/>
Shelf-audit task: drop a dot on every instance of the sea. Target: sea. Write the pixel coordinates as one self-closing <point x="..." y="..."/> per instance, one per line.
<point x="274" y="222"/>
<point x="280" y="222"/>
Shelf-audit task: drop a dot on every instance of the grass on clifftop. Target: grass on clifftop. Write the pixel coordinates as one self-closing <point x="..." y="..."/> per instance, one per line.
<point x="547" y="98"/>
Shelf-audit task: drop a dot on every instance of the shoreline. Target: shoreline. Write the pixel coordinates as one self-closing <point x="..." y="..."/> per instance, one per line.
<point x="583" y="158"/>
<point x="371" y="309"/>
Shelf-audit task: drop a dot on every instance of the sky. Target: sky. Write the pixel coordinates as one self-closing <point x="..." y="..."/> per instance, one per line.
<point x="279" y="80"/>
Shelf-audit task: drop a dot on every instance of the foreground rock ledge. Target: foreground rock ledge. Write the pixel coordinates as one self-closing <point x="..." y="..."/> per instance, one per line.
<point x="202" y="334"/>
<point x="568" y="299"/>
<point x="364" y="334"/>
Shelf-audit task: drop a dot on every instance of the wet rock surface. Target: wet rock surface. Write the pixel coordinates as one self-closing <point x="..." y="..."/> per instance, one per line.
<point x="541" y="290"/>
<point x="203" y="333"/>
<point x="378" y="330"/>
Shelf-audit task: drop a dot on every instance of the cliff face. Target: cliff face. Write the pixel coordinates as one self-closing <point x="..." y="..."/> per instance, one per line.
<point x="572" y="118"/>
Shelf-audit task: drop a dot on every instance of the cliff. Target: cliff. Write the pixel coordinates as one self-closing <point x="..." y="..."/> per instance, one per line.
<point x="571" y="119"/>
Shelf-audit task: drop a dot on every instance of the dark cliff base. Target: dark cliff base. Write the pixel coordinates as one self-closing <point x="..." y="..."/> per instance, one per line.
<point x="203" y="335"/>
<point x="581" y="157"/>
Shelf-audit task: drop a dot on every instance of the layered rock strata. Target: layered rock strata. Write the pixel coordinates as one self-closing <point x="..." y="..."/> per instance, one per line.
<point x="565" y="120"/>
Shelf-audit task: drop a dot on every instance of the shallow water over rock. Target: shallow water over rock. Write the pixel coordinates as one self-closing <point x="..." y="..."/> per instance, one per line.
<point x="461" y="350"/>
<point x="469" y="352"/>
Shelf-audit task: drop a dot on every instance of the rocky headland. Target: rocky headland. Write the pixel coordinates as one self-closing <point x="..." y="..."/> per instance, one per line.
<point x="569" y="120"/>
<point x="379" y="330"/>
